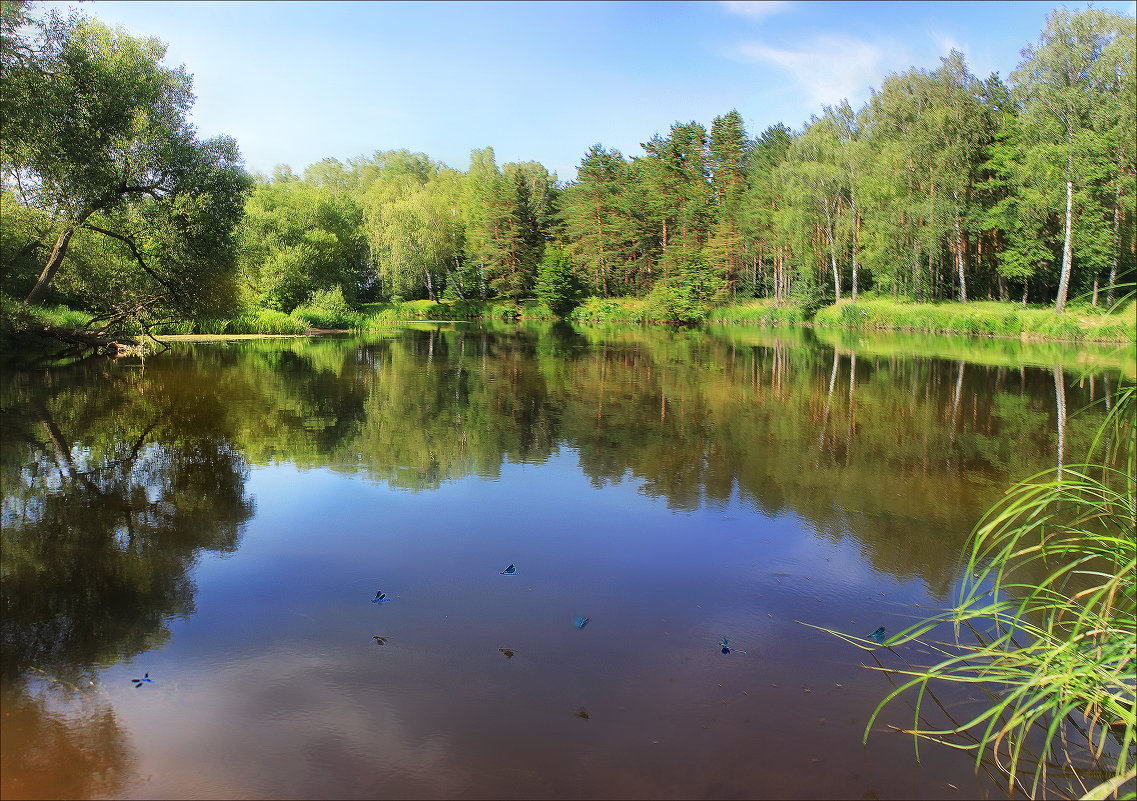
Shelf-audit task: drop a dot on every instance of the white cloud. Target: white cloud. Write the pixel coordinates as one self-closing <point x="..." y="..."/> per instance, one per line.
<point x="756" y="9"/>
<point x="831" y="68"/>
<point x="947" y="43"/>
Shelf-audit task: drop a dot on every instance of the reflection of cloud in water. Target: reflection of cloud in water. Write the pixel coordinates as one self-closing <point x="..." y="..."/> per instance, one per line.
<point x="61" y="744"/>
<point x="292" y="709"/>
<point x="292" y="726"/>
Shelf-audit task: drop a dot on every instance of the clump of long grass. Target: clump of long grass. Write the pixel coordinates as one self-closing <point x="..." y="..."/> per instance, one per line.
<point x="758" y="312"/>
<point x="327" y="308"/>
<point x="608" y="310"/>
<point x="1048" y="602"/>
<point x="266" y="321"/>
<point x="383" y="315"/>
<point x="251" y="321"/>
<point x="425" y="309"/>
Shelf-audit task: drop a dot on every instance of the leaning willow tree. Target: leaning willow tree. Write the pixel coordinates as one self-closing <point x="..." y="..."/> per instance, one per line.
<point x="105" y="178"/>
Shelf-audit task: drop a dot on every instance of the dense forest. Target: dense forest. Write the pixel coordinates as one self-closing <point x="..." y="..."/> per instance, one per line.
<point x="943" y="186"/>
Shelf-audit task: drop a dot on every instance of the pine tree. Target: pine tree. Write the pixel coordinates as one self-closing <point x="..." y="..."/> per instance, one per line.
<point x="591" y="210"/>
<point x="728" y="147"/>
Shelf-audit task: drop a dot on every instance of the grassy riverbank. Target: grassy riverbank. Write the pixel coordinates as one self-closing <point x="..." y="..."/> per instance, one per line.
<point x="985" y="318"/>
<point x="1080" y="322"/>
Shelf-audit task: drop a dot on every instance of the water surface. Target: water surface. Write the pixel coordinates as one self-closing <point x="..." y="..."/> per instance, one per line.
<point x="222" y="520"/>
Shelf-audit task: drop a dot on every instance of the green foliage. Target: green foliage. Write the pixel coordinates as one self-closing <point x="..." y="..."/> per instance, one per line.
<point x="416" y="235"/>
<point x="326" y="308"/>
<point x="525" y="241"/>
<point x="757" y="312"/>
<point x="126" y="179"/>
<point x="851" y="315"/>
<point x="808" y="297"/>
<point x="557" y="285"/>
<point x="18" y="314"/>
<point x="382" y="315"/>
<point x="508" y="214"/>
<point x="672" y="301"/>
<point x="296" y="239"/>
<point x="609" y="310"/>
<point x="595" y="218"/>
<point x="507" y="311"/>
<point x="1069" y="86"/>
<point x="266" y="321"/>
<point x="252" y="321"/>
<point x="24" y="234"/>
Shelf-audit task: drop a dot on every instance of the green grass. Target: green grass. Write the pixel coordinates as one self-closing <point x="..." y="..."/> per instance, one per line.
<point x="382" y="315"/>
<point x="329" y="320"/>
<point x="53" y="316"/>
<point x="253" y="321"/>
<point x="267" y="321"/>
<point x="379" y="315"/>
<point x="759" y="312"/>
<point x="609" y="310"/>
<point x="1079" y="323"/>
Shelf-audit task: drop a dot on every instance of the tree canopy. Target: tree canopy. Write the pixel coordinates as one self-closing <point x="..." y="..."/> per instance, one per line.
<point x="98" y="148"/>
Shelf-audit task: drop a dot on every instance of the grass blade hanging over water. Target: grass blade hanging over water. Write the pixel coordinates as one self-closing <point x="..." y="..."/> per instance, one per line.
<point x="1048" y="601"/>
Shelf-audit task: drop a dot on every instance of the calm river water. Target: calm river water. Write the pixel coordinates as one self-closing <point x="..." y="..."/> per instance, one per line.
<point x="192" y="553"/>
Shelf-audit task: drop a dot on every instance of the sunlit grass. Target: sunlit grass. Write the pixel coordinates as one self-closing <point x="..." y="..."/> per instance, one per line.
<point x="47" y="316"/>
<point x="609" y="310"/>
<point x="383" y="315"/>
<point x="758" y="312"/>
<point x="1080" y="321"/>
<point x="252" y="321"/>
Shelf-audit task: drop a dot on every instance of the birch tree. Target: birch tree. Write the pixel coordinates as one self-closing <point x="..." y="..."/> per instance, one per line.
<point x="1060" y="85"/>
<point x="816" y="181"/>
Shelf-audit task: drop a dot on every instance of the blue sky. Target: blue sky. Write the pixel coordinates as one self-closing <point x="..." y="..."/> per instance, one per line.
<point x="296" y="82"/>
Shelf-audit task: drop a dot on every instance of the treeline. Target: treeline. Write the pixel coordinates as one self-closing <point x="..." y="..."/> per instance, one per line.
<point x="400" y="226"/>
<point x="941" y="186"/>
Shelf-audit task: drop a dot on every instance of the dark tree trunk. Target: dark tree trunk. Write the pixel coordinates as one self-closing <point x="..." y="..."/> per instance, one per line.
<point x="53" y="262"/>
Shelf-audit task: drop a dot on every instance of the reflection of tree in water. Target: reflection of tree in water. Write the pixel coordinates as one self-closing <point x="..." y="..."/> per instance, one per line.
<point x="326" y="403"/>
<point x="852" y="441"/>
<point x="112" y="485"/>
<point x="898" y="454"/>
<point x="450" y="404"/>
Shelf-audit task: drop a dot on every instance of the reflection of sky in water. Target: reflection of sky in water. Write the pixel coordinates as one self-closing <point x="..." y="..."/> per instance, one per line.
<point x="275" y="686"/>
